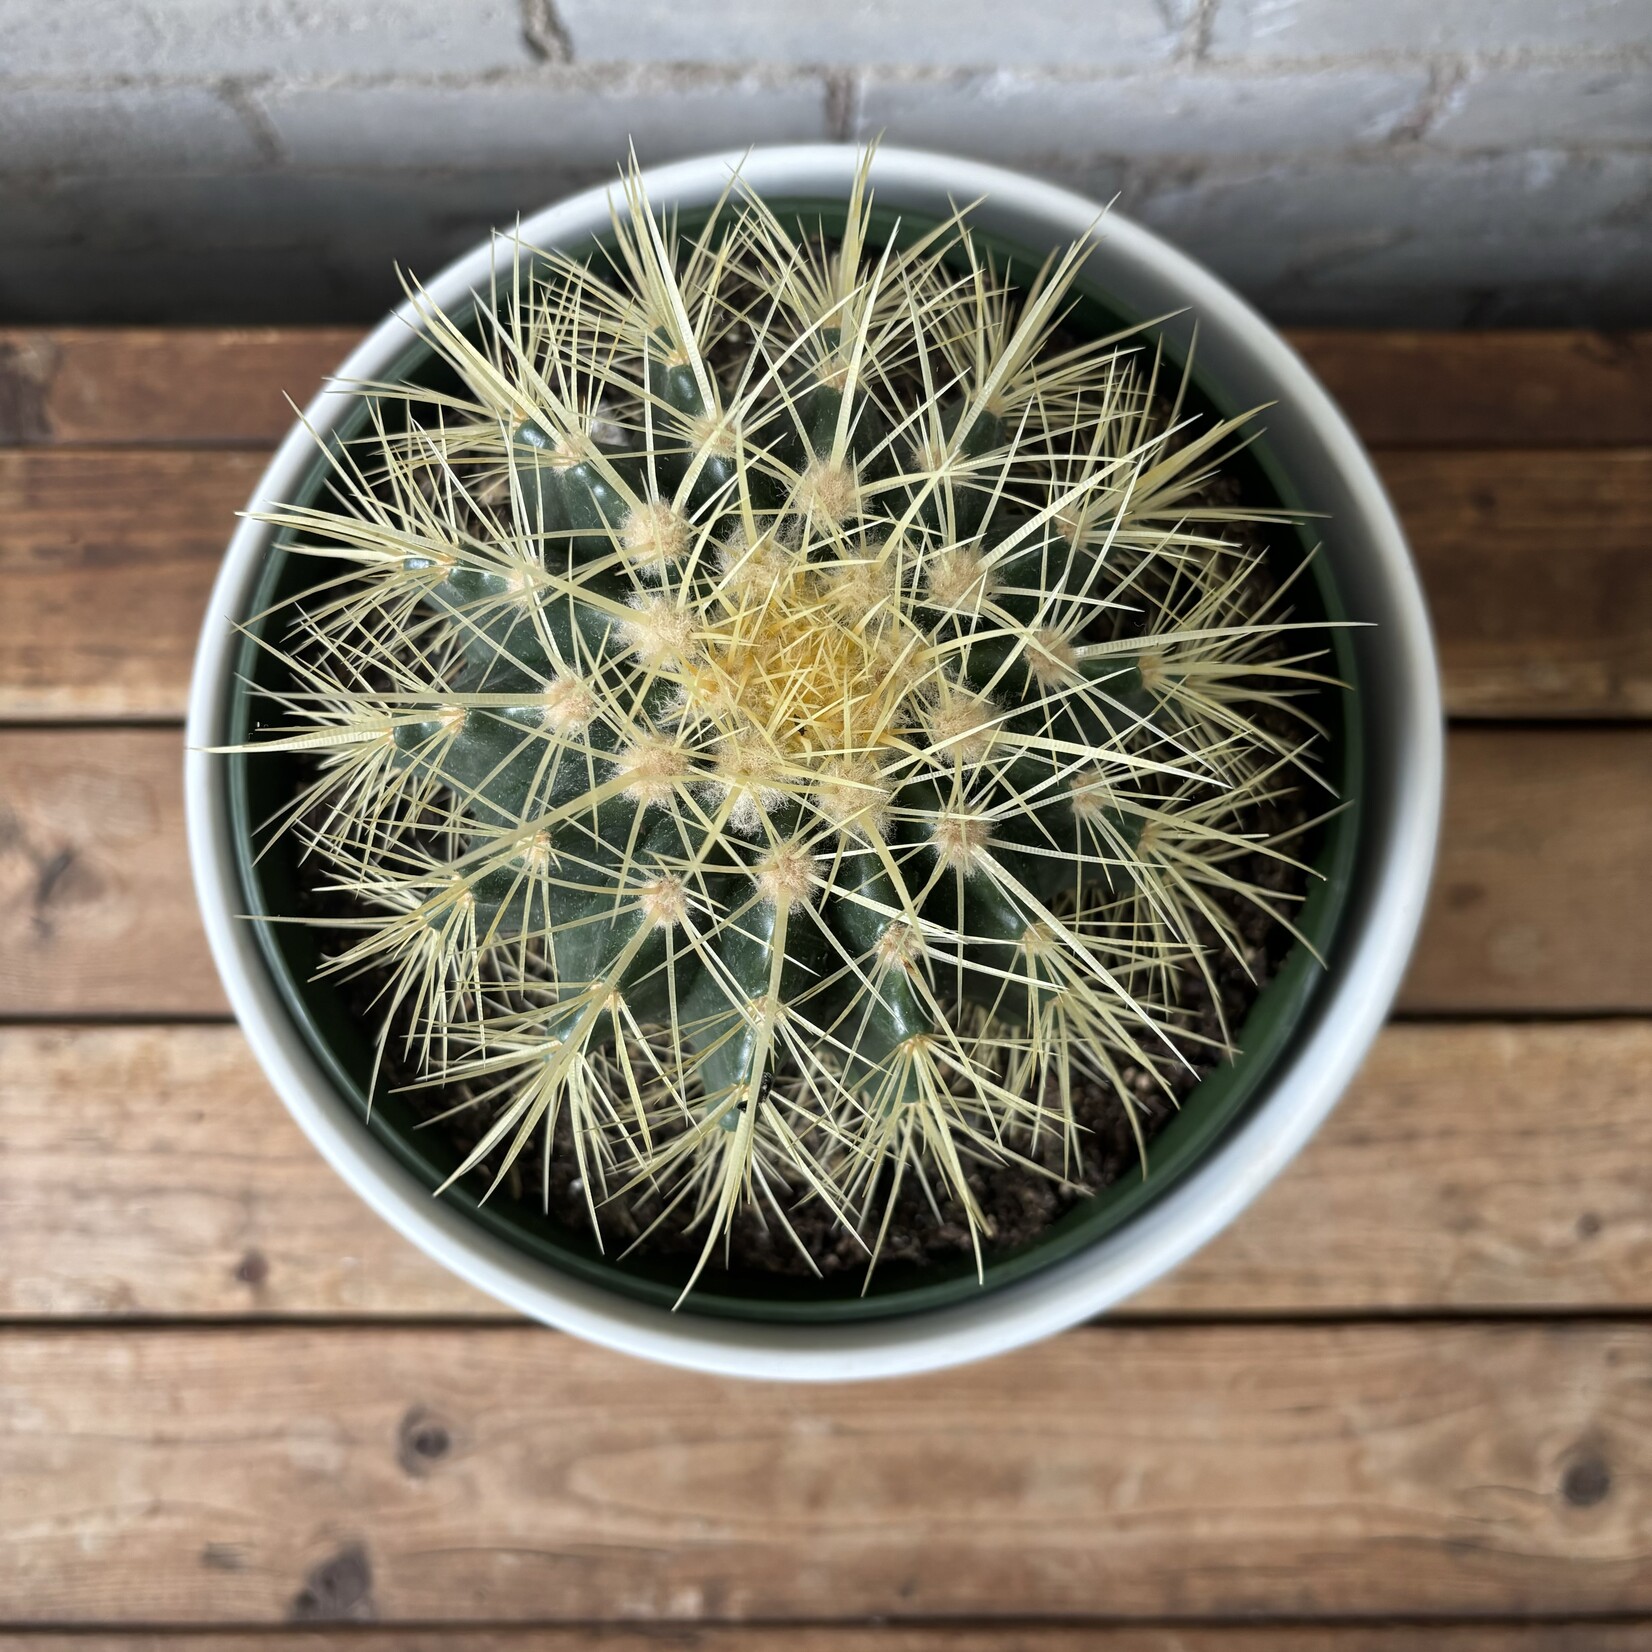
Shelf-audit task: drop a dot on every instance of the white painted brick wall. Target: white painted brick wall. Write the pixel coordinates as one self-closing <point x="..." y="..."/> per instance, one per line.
<point x="1561" y="105"/>
<point x="208" y="39"/>
<point x="1316" y="230"/>
<point x="1342" y="28"/>
<point x="1028" y="120"/>
<point x="1102" y="33"/>
<point x="1430" y="161"/>
<point x="521" y="123"/>
<point x="47" y="129"/>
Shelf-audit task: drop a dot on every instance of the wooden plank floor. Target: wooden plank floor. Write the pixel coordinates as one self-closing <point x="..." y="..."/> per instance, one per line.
<point x="1404" y="1404"/>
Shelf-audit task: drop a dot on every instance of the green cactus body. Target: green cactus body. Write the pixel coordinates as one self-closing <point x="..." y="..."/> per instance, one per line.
<point x="795" y="657"/>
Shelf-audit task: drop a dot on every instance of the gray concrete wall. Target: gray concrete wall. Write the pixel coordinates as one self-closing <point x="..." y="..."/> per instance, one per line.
<point x="1433" y="162"/>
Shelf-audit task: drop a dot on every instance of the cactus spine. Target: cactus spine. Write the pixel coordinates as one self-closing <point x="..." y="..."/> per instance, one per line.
<point x="788" y="714"/>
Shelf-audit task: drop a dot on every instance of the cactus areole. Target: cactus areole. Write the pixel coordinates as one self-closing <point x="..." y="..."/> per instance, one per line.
<point x="777" y="698"/>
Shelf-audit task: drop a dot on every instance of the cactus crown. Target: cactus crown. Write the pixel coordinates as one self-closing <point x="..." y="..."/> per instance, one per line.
<point x="788" y="712"/>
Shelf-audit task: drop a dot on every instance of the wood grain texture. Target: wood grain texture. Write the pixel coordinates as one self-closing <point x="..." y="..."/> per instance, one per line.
<point x="150" y="1171"/>
<point x="1471" y="1167"/>
<point x="1576" y="1636"/>
<point x="1541" y="872"/>
<point x="199" y="387"/>
<point x="251" y="1472"/>
<point x="1508" y="388"/>
<point x="97" y="913"/>
<point x="1534" y="907"/>
<point x="106" y="560"/>
<point x="213" y="386"/>
<point x="499" y="1474"/>
<point x="1537" y="567"/>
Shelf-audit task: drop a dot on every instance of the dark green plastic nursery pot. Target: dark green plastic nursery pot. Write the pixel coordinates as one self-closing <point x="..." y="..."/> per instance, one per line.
<point x="258" y="786"/>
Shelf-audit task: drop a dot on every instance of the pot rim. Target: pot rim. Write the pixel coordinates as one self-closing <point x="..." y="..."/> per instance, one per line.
<point x="1349" y="1008"/>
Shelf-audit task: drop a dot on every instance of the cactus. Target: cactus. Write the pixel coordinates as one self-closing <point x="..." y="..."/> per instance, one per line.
<point x="788" y="711"/>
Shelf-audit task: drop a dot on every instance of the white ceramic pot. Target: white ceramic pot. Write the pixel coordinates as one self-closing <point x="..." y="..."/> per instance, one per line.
<point x="1399" y="716"/>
